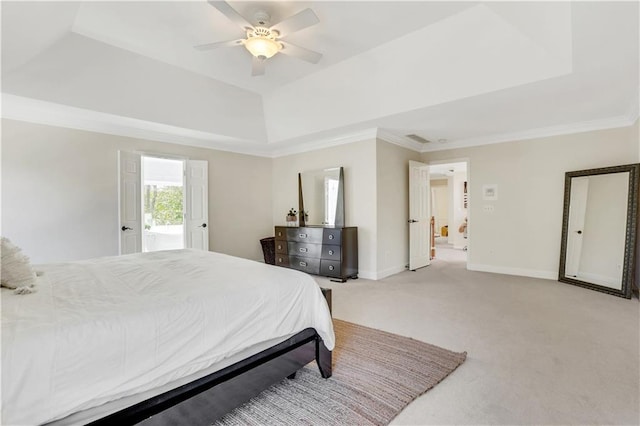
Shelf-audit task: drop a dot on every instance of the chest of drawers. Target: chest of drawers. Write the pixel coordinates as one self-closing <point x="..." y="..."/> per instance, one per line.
<point x="330" y="252"/>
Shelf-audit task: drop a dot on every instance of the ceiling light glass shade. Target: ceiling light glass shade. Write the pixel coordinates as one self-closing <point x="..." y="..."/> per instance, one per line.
<point x="262" y="47"/>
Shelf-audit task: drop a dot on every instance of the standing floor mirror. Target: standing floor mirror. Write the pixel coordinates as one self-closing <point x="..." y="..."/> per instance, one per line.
<point x="599" y="229"/>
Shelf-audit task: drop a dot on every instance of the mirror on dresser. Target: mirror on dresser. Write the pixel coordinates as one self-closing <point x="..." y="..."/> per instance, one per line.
<point x="321" y="197"/>
<point x="599" y="229"/>
<point x="322" y="244"/>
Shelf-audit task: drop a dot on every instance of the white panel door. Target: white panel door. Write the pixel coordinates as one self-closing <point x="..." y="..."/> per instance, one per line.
<point x="419" y="215"/>
<point x="130" y="227"/>
<point x="575" y="235"/>
<point x="197" y="205"/>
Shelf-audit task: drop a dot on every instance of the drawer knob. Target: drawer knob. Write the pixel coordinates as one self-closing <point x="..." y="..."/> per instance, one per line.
<point x="303" y="249"/>
<point x="331" y="236"/>
<point x="279" y="246"/>
<point x="331" y="268"/>
<point x="302" y="235"/>
<point x="279" y="260"/>
<point x="330" y="252"/>
<point x="303" y="263"/>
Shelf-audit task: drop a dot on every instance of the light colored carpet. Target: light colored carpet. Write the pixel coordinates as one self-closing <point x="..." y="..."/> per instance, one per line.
<point x="540" y="352"/>
<point x="375" y="375"/>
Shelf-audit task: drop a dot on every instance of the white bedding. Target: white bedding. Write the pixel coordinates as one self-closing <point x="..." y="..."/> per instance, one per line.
<point x="105" y="328"/>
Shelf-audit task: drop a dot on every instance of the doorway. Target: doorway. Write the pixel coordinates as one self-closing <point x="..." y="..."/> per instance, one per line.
<point x="163" y="204"/>
<point x="450" y="210"/>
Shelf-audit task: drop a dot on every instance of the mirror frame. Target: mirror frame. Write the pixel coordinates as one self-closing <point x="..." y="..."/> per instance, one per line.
<point x="630" y="236"/>
<point x="339" y="222"/>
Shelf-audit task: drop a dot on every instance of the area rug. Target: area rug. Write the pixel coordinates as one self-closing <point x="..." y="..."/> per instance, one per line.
<point x="375" y="375"/>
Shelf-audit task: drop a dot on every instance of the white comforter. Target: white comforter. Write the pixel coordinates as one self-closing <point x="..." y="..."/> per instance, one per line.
<point x="104" y="328"/>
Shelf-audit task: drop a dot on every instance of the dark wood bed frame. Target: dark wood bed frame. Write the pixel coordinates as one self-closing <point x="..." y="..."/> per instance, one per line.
<point x="207" y="399"/>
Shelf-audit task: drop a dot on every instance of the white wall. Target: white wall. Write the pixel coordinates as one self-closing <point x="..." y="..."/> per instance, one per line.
<point x="440" y="197"/>
<point x="393" y="207"/>
<point x="359" y="162"/>
<point x="522" y="235"/>
<point x="451" y="212"/>
<point x="60" y="193"/>
<point x="459" y="212"/>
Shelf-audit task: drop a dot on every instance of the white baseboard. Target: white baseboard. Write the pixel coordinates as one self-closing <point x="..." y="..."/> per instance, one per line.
<point x="373" y="275"/>
<point x="367" y="275"/>
<point x="533" y="273"/>
<point x="391" y="271"/>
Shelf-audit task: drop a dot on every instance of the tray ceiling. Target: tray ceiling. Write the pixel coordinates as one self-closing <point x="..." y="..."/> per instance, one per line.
<point x="467" y="72"/>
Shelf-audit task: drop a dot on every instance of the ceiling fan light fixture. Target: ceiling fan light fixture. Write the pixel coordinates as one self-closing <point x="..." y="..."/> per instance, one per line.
<point x="261" y="43"/>
<point x="262" y="40"/>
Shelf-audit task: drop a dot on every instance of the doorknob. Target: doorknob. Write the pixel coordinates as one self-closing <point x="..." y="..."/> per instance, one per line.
<point x="124" y="228"/>
<point x="204" y="225"/>
<point x="412" y="221"/>
<point x="579" y="232"/>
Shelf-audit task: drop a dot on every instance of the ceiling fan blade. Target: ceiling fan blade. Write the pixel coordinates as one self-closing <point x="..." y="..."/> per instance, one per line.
<point x="257" y="66"/>
<point x="226" y="9"/>
<point x="300" y="52"/>
<point x="210" y="46"/>
<point x="297" y="22"/>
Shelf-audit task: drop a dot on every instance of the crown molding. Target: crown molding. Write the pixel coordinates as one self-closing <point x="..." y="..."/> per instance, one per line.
<point x="292" y="147"/>
<point x="542" y="132"/>
<point x="31" y="110"/>
<point x="399" y="140"/>
<point x="42" y="112"/>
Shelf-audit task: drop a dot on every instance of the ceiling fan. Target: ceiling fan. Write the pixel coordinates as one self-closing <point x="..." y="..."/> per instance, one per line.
<point x="262" y="40"/>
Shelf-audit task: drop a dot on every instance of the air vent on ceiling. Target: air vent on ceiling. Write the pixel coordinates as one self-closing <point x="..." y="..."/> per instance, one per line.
<point x="418" y="138"/>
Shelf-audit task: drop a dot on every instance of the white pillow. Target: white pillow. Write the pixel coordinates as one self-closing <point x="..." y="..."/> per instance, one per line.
<point x="16" y="271"/>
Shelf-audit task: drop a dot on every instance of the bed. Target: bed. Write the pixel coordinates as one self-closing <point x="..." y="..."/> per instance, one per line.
<point x="115" y="340"/>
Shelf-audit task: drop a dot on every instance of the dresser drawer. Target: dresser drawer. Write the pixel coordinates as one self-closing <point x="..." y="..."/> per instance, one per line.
<point x="305" y="249"/>
<point x="282" y="260"/>
<point x="330" y="268"/>
<point x="281" y="247"/>
<point x="281" y="233"/>
<point x="330" y="252"/>
<point x="332" y="236"/>
<point x="305" y="264"/>
<point x="305" y="235"/>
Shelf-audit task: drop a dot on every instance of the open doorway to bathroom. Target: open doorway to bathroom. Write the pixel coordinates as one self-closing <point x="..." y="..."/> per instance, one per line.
<point x="163" y="202"/>
<point x="449" y="207"/>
